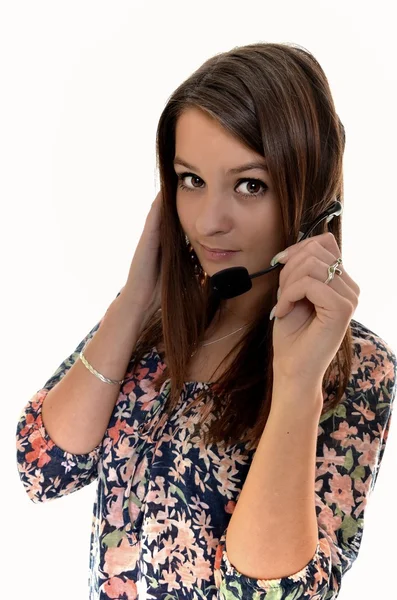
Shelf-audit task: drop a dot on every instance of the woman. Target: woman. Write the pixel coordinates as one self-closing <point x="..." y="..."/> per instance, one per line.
<point x="236" y="457"/>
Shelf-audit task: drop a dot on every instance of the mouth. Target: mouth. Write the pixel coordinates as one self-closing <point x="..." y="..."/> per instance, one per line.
<point x="218" y="254"/>
<point x="218" y="250"/>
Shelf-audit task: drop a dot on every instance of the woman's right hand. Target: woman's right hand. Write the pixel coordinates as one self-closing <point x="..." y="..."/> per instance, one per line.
<point x="143" y="287"/>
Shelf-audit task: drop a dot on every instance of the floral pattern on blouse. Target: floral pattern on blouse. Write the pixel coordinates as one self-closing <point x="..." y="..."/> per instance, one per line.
<point x="164" y="499"/>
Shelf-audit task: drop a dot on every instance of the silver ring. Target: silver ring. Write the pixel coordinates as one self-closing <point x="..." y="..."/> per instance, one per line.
<point x="332" y="269"/>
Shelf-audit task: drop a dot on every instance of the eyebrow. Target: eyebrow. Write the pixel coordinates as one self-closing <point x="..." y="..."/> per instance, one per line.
<point x="247" y="167"/>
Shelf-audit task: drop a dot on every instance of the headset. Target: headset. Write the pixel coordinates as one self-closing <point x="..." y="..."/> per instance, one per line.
<point x="235" y="281"/>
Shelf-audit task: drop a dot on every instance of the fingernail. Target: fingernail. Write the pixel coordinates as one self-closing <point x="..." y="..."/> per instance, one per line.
<point x="278" y="256"/>
<point x="278" y="294"/>
<point x="272" y="312"/>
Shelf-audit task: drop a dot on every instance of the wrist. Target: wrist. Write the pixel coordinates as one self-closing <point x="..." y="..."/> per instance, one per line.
<point x="297" y="394"/>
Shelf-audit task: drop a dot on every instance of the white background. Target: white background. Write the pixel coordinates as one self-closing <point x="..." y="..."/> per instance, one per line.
<point x="82" y="87"/>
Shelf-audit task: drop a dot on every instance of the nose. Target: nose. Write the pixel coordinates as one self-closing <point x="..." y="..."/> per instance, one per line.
<point x="213" y="214"/>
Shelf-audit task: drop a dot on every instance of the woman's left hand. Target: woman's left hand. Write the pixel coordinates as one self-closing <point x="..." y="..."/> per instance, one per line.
<point x="312" y="317"/>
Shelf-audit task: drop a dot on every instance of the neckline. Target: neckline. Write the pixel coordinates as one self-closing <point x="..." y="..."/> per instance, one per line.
<point x="185" y="383"/>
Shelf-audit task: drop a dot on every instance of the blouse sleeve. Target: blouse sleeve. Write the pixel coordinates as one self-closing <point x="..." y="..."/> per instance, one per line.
<point x="46" y="470"/>
<point x="350" y="448"/>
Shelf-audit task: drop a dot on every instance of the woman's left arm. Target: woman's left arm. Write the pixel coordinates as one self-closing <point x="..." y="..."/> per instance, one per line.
<point x="273" y="531"/>
<point x="275" y="546"/>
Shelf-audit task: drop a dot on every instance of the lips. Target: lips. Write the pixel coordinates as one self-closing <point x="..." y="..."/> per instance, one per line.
<point x="217" y="249"/>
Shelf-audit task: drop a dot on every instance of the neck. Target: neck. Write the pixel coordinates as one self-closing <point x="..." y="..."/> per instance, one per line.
<point x="219" y="328"/>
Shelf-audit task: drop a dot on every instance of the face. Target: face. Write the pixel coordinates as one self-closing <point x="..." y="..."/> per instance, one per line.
<point x="223" y="209"/>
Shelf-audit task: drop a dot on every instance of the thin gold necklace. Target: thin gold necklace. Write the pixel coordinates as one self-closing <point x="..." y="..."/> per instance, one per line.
<point x="221" y="338"/>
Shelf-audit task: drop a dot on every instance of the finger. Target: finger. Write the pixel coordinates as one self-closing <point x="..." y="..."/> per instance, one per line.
<point x="326" y="239"/>
<point x="319" y="294"/>
<point x="304" y="262"/>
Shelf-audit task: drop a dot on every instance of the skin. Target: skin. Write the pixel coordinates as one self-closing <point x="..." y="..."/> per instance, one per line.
<point x="214" y="211"/>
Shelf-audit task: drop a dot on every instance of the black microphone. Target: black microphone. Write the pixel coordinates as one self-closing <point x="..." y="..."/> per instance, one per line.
<point x="235" y="281"/>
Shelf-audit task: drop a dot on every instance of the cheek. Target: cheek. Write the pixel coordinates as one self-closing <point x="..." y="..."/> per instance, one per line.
<point x="264" y="236"/>
<point x="181" y="216"/>
<point x="186" y="220"/>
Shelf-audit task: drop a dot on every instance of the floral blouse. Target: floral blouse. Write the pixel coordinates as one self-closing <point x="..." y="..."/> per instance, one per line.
<point x="164" y="499"/>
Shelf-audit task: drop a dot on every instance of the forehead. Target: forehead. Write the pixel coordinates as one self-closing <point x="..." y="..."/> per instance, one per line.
<point x="195" y="125"/>
<point x="200" y="140"/>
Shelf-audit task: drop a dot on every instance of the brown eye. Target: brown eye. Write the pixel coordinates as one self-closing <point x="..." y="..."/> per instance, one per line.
<point x="181" y="178"/>
<point x="256" y="183"/>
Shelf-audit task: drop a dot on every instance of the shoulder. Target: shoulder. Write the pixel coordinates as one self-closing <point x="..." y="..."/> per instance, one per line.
<point x="374" y="364"/>
<point x="371" y="350"/>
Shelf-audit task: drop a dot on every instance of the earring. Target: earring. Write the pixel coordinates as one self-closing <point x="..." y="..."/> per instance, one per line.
<point x="187" y="240"/>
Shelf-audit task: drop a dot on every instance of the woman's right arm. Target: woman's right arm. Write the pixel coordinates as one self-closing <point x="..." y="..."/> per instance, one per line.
<point x="76" y="412"/>
<point x="60" y="431"/>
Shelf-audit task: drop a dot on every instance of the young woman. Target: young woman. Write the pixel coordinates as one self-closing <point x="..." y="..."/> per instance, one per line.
<point x="234" y="453"/>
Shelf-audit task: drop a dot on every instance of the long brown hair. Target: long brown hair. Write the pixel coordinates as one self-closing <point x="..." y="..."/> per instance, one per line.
<point x="276" y="99"/>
